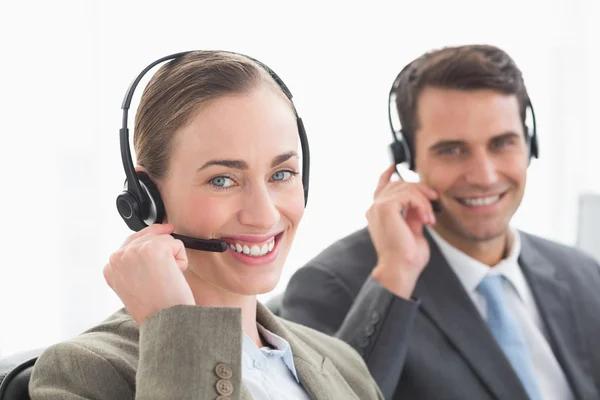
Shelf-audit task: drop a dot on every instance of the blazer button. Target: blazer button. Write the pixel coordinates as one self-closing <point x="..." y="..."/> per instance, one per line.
<point x="224" y="387"/>
<point x="223" y="398"/>
<point x="363" y="342"/>
<point x="369" y="330"/>
<point x="375" y="317"/>
<point x="223" y="371"/>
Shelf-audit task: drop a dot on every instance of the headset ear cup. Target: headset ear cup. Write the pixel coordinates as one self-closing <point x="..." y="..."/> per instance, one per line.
<point x="157" y="208"/>
<point x="400" y="153"/>
<point x="532" y="142"/>
<point x="533" y="147"/>
<point x="397" y="153"/>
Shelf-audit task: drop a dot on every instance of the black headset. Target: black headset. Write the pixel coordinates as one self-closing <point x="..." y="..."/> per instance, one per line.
<point x="400" y="150"/>
<point x="140" y="204"/>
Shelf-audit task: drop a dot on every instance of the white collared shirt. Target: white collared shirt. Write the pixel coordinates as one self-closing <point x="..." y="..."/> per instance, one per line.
<point x="269" y="373"/>
<point x="549" y="376"/>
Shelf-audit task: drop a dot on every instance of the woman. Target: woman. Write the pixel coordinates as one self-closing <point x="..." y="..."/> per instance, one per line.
<point x="219" y="138"/>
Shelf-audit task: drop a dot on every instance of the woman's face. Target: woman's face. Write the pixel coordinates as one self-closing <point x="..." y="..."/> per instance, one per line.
<point x="234" y="175"/>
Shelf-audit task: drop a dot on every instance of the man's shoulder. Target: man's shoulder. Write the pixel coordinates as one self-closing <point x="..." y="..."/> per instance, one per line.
<point x="553" y="247"/>
<point x="567" y="258"/>
<point x="354" y="251"/>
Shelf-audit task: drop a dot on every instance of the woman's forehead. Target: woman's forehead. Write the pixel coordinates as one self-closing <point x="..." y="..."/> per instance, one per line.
<point x="258" y="123"/>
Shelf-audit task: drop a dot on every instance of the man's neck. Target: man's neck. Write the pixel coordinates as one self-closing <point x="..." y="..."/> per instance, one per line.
<point x="489" y="252"/>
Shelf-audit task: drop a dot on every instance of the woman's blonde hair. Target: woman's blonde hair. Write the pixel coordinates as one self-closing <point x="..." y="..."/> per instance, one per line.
<point x="177" y="91"/>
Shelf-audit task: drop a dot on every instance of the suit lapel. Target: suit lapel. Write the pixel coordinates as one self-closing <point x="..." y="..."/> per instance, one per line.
<point x="552" y="296"/>
<point x="316" y="373"/>
<point x="447" y="304"/>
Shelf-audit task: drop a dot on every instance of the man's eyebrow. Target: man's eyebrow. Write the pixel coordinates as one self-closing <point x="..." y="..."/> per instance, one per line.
<point x="442" y="144"/>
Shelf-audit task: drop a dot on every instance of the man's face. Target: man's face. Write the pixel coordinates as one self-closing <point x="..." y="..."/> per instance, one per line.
<point x="471" y="148"/>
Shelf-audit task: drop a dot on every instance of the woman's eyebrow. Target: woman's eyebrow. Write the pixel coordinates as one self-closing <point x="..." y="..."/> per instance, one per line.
<point x="280" y="159"/>
<point x="241" y="164"/>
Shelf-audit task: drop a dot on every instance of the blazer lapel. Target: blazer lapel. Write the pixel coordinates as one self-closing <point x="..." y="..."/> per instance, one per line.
<point x="447" y="304"/>
<point x="553" y="298"/>
<point x="316" y="373"/>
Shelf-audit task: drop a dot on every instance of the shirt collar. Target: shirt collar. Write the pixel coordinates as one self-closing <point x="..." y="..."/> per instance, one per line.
<point x="471" y="272"/>
<point x="281" y="348"/>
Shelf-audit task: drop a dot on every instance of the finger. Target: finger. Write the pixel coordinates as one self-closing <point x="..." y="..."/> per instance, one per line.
<point x="176" y="248"/>
<point x="180" y="253"/>
<point x="152" y="230"/>
<point x="427" y="191"/>
<point x="384" y="179"/>
<point x="433" y="197"/>
<point x="401" y="188"/>
<point x="401" y="185"/>
<point x="394" y="188"/>
<point x="106" y="271"/>
<point x="422" y="206"/>
<point x="385" y="219"/>
<point x="411" y="199"/>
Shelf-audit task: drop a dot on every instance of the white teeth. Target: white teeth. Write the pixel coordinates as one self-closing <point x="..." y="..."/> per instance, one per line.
<point x="264" y="249"/>
<point x="481" y="201"/>
<point x="255" y="250"/>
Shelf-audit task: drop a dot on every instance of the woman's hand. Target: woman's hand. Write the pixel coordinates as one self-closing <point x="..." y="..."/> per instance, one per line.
<point x="147" y="272"/>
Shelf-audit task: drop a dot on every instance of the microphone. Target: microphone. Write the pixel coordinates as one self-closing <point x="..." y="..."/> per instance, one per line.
<point x="213" y="245"/>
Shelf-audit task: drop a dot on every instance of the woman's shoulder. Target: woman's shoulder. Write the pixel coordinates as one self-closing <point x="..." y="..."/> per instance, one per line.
<point x="326" y="345"/>
<point x="116" y="336"/>
<point x="340" y="353"/>
<point x="103" y="356"/>
<point x="344" y="358"/>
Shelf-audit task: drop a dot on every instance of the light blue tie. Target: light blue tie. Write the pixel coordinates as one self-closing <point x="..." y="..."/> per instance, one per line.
<point x="506" y="331"/>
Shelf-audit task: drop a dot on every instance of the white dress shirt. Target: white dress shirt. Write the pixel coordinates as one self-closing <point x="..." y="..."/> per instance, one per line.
<point x="549" y="376"/>
<point x="269" y="373"/>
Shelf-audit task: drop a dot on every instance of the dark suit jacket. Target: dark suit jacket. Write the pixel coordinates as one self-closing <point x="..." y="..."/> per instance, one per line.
<point x="182" y="352"/>
<point x="438" y="346"/>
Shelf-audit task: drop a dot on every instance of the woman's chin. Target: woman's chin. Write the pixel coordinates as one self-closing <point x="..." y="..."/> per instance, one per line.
<point x="261" y="285"/>
<point x="236" y="277"/>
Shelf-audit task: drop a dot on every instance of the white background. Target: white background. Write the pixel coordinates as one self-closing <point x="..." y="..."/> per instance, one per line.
<point x="65" y="66"/>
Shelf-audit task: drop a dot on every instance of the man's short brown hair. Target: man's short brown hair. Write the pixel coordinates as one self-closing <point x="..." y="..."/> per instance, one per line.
<point x="469" y="67"/>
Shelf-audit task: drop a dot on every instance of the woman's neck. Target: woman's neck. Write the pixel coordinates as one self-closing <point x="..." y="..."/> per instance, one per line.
<point x="209" y="295"/>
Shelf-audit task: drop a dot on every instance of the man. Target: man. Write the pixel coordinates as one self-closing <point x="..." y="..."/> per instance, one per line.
<point x="457" y="304"/>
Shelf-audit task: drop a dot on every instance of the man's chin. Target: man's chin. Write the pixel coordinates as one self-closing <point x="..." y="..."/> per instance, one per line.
<point x="482" y="233"/>
<point x="476" y="231"/>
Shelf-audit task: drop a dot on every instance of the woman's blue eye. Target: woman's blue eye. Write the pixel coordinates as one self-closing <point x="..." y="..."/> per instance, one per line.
<point x="281" y="176"/>
<point x="221" y="181"/>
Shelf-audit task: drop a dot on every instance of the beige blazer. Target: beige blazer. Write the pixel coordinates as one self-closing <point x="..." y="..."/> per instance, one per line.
<point x="189" y="352"/>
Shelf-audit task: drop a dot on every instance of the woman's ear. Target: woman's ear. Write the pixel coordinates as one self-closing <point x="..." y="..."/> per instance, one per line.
<point x="153" y="188"/>
<point x="139" y="168"/>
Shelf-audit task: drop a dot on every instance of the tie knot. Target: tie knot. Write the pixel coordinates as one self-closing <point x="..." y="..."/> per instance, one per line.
<point x="491" y="286"/>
